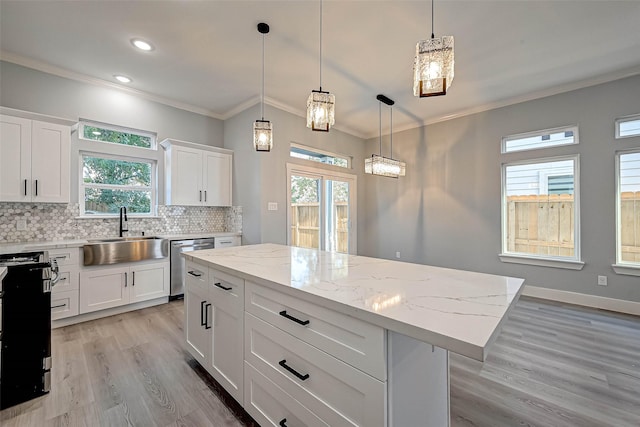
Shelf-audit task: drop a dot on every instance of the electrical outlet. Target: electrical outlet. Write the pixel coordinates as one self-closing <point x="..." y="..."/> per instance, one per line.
<point x="21" y="224"/>
<point x="398" y="254"/>
<point x="602" y="280"/>
<point x="272" y="206"/>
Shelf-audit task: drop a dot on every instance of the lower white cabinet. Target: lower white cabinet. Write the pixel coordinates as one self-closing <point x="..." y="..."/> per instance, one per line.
<point x="65" y="294"/>
<point x="64" y="304"/>
<point x="196" y="323"/>
<point x="107" y="287"/>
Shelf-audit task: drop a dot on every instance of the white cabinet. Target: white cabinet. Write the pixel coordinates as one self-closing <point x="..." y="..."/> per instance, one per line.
<point x="107" y="287"/>
<point x="66" y="292"/>
<point x="226" y="242"/>
<point x="34" y="161"/>
<point x="197" y="175"/>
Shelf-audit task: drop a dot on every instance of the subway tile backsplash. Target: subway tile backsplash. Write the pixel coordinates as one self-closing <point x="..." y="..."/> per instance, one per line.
<point x="48" y="222"/>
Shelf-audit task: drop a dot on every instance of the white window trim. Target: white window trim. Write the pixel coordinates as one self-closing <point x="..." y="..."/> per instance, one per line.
<point x="573" y="263"/>
<point x="349" y="159"/>
<point x="574" y="129"/>
<point x="624" y="120"/>
<point x="82" y="186"/>
<point x="116" y="128"/>
<point x="621" y="267"/>
<point x="313" y="172"/>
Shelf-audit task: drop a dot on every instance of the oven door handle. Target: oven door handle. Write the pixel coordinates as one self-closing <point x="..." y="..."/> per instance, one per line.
<point x="208" y="245"/>
<point x="56" y="272"/>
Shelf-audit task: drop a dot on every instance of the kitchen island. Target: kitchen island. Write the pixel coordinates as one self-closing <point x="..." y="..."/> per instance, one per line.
<point x="336" y="339"/>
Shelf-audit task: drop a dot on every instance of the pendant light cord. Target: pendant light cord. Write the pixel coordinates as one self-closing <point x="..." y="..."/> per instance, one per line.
<point x="321" y="45"/>
<point x="391" y="131"/>
<point x="262" y="95"/>
<point x="380" y="126"/>
<point x="432" y="32"/>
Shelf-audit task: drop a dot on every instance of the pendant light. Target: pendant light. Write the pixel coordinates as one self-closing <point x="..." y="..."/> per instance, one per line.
<point x="321" y="104"/>
<point x="262" y="129"/>
<point x="377" y="164"/>
<point x="433" y="65"/>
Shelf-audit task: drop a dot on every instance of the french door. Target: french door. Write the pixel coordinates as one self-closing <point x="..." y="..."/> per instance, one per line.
<point x="321" y="209"/>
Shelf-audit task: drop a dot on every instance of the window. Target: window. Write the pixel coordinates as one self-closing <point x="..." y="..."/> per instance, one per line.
<point x="540" y="139"/>
<point x="314" y="155"/>
<point x="628" y="208"/>
<point x="117" y="167"/>
<point x="541" y="209"/>
<point x="628" y="126"/>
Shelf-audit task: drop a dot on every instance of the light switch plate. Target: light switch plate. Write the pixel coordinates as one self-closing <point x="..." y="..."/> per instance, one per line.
<point x="21" y="224"/>
<point x="272" y="206"/>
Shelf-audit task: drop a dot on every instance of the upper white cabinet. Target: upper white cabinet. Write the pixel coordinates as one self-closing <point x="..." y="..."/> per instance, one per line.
<point x="34" y="160"/>
<point x="197" y="175"/>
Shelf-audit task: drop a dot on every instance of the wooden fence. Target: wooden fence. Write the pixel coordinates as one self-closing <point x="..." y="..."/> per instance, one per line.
<point x="305" y="225"/>
<point x="544" y="225"/>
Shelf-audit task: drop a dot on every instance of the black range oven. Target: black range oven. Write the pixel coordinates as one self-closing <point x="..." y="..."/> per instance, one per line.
<point x="25" y="338"/>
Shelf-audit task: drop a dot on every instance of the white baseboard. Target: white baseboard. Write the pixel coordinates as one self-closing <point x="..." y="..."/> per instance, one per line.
<point x="611" y="304"/>
<point x="106" y="313"/>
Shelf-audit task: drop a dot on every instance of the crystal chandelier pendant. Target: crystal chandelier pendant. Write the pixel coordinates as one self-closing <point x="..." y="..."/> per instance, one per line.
<point x="433" y="67"/>
<point x="321" y="110"/>
<point x="262" y="135"/>
<point x="384" y="166"/>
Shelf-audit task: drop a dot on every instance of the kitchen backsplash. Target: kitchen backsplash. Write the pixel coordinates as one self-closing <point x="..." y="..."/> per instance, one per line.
<point x="46" y="222"/>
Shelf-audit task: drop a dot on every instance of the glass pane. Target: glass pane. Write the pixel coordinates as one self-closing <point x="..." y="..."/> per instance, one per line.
<point x="337" y="216"/>
<point x="102" y="201"/>
<point x="117" y="137"/>
<point x="629" y="127"/>
<point x="305" y="212"/>
<point x="540" y="208"/>
<point x="541" y="140"/>
<point x="328" y="159"/>
<point x="97" y="170"/>
<point x="630" y="207"/>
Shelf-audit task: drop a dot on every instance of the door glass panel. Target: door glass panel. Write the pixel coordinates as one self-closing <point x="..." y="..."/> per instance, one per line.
<point x="305" y="211"/>
<point x="337" y="216"/>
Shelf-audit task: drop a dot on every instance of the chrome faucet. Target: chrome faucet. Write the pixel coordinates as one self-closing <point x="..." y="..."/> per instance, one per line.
<point x="123" y="220"/>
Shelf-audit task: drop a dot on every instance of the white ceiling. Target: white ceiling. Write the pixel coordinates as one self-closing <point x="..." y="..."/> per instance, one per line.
<point x="207" y="54"/>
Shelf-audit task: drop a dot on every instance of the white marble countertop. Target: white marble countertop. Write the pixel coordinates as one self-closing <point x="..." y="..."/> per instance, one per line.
<point x="457" y="310"/>
<point x="3" y="272"/>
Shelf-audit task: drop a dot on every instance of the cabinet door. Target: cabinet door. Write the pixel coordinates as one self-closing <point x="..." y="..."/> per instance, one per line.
<point x="217" y="179"/>
<point x="149" y="282"/>
<point x="103" y="288"/>
<point x="227" y="341"/>
<point x="50" y="156"/>
<point x="15" y="159"/>
<point x="186" y="177"/>
<point x="197" y="330"/>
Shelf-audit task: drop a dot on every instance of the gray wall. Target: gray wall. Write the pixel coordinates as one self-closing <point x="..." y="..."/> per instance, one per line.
<point x="446" y="211"/>
<point x="260" y="178"/>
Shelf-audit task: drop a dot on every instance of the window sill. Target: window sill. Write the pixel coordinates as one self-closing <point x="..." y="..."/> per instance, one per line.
<point x="130" y="216"/>
<point x="627" y="269"/>
<point x="542" y="262"/>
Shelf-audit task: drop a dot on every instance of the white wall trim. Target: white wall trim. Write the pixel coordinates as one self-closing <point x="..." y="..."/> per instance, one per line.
<point x="542" y="262"/>
<point x="629" y="270"/>
<point x="106" y="313"/>
<point x="594" y="301"/>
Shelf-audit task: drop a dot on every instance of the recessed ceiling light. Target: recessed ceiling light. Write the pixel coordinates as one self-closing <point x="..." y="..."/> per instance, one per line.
<point x="122" y="79"/>
<point x="142" y="45"/>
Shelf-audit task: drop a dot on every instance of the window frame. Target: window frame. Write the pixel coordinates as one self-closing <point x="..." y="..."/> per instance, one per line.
<point x="349" y="159"/>
<point x="505" y="139"/>
<point x="622" y="267"/>
<point x="575" y="262"/>
<point x="84" y="122"/>
<point x="620" y="120"/>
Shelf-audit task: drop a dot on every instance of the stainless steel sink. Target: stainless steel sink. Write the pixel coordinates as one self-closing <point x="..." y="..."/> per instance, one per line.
<point x="124" y="249"/>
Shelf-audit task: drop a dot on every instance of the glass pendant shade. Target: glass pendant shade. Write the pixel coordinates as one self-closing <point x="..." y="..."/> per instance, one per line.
<point x="433" y="66"/>
<point x="321" y="111"/>
<point x="384" y="166"/>
<point x="262" y="135"/>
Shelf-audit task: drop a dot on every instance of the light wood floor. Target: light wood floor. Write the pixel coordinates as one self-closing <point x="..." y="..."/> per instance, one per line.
<point x="553" y="365"/>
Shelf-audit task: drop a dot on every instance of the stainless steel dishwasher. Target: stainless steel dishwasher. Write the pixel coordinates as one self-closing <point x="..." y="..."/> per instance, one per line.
<point x="177" y="262"/>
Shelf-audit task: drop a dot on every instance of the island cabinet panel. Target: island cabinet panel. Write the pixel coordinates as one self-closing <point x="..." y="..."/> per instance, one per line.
<point x="196" y="332"/>
<point x="351" y="340"/>
<point x="333" y="390"/>
<point x="269" y="405"/>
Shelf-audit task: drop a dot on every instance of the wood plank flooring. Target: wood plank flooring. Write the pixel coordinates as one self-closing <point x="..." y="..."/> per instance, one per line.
<point x="552" y="365"/>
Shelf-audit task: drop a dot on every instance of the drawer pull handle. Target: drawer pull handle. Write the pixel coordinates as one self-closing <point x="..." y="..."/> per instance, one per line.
<point x="283" y="363"/>
<point x="58" y="306"/>
<point x="206" y="316"/>
<point x="195" y="274"/>
<point x="283" y="313"/>
<point x="283" y="422"/>
<point x="223" y="287"/>
<point x="63" y="278"/>
<point x="203" y="320"/>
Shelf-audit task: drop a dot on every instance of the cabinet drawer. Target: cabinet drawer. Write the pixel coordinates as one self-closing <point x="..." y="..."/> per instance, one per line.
<point x="197" y="275"/>
<point x="65" y="304"/>
<point x="226" y="289"/>
<point x="226" y="242"/>
<point x="358" y="343"/>
<point x="66" y="256"/>
<point x="69" y="279"/>
<point x="270" y="405"/>
<point x="337" y="393"/>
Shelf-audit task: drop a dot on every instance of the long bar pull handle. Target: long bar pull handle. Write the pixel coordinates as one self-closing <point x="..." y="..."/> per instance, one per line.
<point x="25" y="187"/>
<point x="58" y="306"/>
<point x="283" y="422"/>
<point x="206" y="316"/>
<point x="133" y="280"/>
<point x="222" y="287"/>
<point x="125" y="279"/>
<point x="202" y="319"/>
<point x="205" y="195"/>
<point x="193" y="273"/>
<point x="301" y="377"/>
<point x="283" y="313"/>
<point x="36" y="187"/>
<point x="200" y="195"/>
